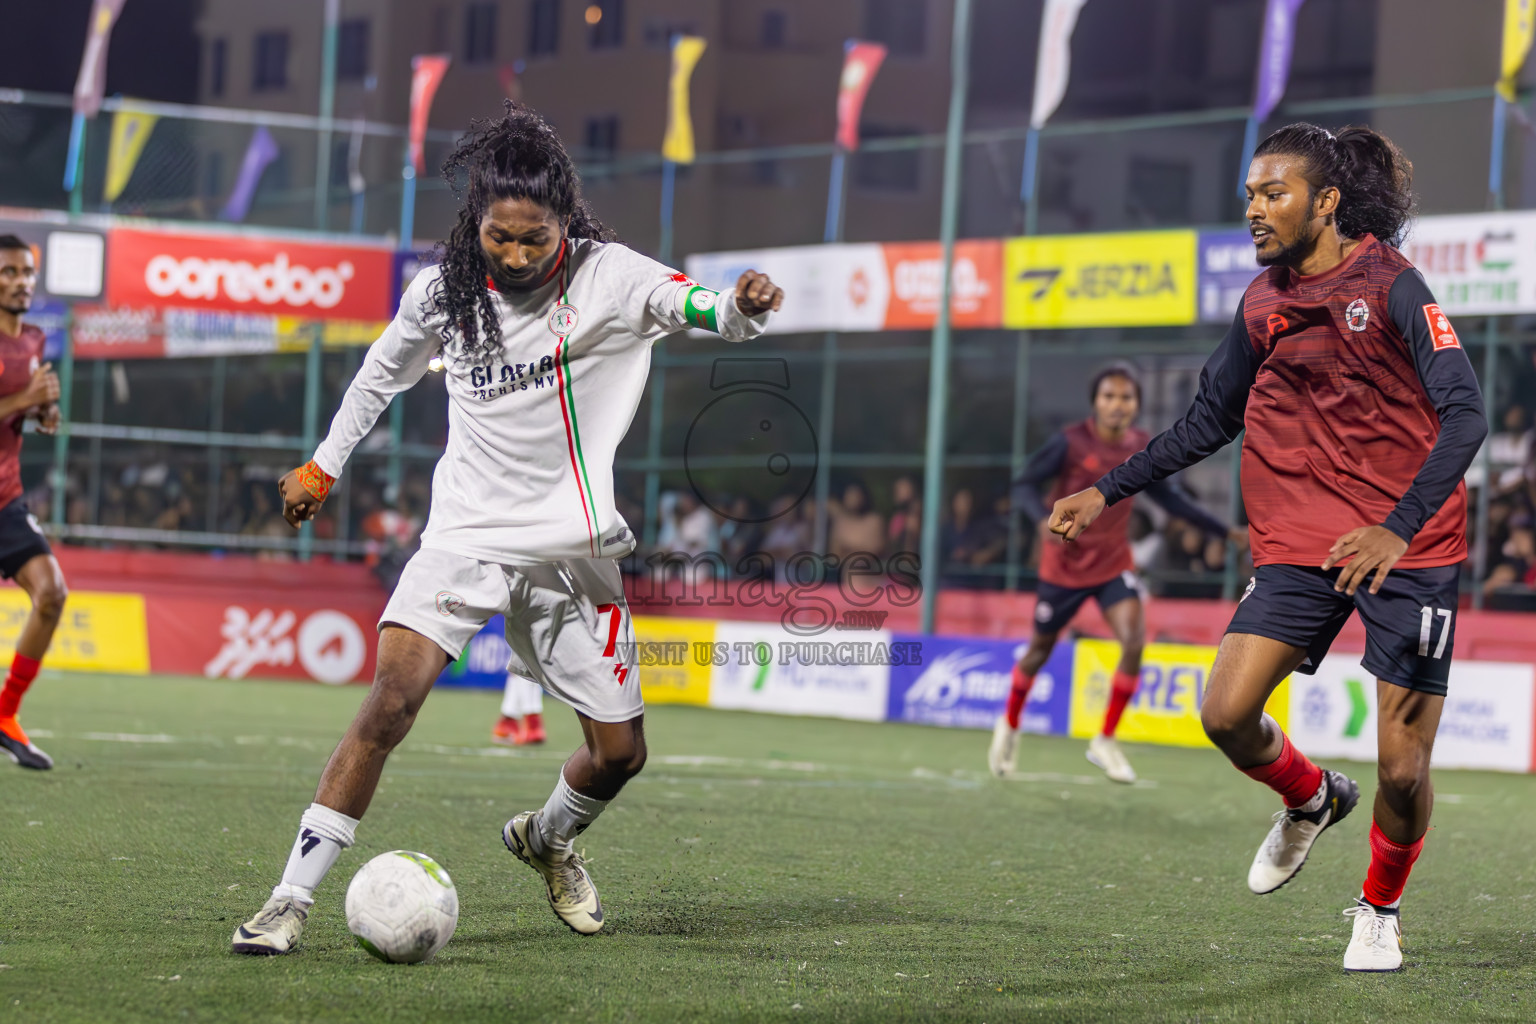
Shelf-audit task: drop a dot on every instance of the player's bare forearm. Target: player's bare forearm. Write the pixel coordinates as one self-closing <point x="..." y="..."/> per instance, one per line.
<point x="1076" y="512"/>
<point x="1370" y="549"/>
<point x="755" y="294"/>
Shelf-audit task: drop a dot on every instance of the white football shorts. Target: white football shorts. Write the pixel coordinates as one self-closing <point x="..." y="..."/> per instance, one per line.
<point x="567" y="623"/>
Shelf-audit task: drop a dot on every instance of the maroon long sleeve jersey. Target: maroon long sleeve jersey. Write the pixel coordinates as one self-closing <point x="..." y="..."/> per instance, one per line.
<point x="20" y="355"/>
<point x="1360" y="405"/>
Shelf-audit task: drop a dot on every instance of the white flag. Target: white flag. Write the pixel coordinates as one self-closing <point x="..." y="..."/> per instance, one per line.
<point x="1053" y="65"/>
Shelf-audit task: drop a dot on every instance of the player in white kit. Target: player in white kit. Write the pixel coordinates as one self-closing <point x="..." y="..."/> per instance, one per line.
<point x="522" y="713"/>
<point x="544" y="327"/>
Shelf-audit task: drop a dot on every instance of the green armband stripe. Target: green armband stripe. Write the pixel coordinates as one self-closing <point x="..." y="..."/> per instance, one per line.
<point x="699" y="308"/>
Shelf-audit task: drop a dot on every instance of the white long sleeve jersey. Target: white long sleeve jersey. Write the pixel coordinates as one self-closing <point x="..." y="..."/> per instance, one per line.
<point x="527" y="474"/>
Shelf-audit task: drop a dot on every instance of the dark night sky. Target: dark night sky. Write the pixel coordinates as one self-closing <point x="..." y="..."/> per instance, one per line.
<point x="153" y="56"/>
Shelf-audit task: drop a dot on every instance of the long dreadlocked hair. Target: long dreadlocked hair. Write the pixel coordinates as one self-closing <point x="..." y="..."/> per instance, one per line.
<point x="515" y="156"/>
<point x="1374" y="178"/>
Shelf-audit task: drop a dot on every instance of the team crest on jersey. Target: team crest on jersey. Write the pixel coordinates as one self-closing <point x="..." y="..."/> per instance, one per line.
<point x="448" y="602"/>
<point x="1357" y="315"/>
<point x="1440" y="328"/>
<point x="562" y="322"/>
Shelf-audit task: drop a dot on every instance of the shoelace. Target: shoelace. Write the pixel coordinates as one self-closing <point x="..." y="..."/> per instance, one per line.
<point x="1376" y="924"/>
<point x="270" y="914"/>
<point x="572" y="880"/>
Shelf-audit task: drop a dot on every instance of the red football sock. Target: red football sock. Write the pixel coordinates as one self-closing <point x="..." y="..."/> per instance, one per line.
<point x="1018" y="695"/>
<point x="23" y="671"/>
<point x="1291" y="775"/>
<point x="1390" y="864"/>
<point x="1122" y="689"/>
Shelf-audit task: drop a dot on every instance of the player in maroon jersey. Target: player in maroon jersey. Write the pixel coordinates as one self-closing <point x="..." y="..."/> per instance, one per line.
<point x="1362" y="415"/>
<point x="28" y="389"/>
<point x="1099" y="567"/>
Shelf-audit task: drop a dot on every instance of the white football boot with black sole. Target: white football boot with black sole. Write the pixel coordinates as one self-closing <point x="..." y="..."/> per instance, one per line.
<point x="1377" y="942"/>
<point x="1105" y="752"/>
<point x="572" y="896"/>
<point x="275" y="929"/>
<point x="1285" y="849"/>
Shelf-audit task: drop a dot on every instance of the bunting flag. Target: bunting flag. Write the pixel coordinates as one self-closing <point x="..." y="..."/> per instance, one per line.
<point x="130" y="131"/>
<point x="1519" y="25"/>
<point x="1274" y="56"/>
<point x="1053" y="64"/>
<point x="677" y="144"/>
<point x="261" y="152"/>
<point x="92" y="81"/>
<point x="427" y="71"/>
<point x="861" y="62"/>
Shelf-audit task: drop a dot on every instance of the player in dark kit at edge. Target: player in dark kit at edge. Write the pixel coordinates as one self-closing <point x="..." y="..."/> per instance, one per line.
<point x="1099" y="566"/>
<point x="1362" y="415"/>
<point x="28" y="390"/>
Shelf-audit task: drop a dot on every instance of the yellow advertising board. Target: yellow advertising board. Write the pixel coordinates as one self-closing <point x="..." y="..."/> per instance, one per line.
<point x="669" y="672"/>
<point x="1166" y="708"/>
<point x="99" y="632"/>
<point x="1140" y="279"/>
<point x="294" y="334"/>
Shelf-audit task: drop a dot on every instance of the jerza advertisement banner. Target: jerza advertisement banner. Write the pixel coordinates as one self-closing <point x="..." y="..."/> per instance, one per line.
<point x="249" y="274"/>
<point x="1139" y="279"/>
<point x="963" y="683"/>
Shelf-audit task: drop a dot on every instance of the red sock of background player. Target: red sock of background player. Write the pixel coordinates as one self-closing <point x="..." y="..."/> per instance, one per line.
<point x="1296" y="779"/>
<point x="1121" y="689"/>
<point x="1390" y="864"/>
<point x="23" y="671"/>
<point x="1017" y="695"/>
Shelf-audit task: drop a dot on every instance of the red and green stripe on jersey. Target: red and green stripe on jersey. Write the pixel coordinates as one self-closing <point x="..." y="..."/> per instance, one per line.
<point x="565" y="382"/>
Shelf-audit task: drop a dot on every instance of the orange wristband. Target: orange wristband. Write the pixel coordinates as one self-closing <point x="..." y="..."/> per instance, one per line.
<point x="315" y="480"/>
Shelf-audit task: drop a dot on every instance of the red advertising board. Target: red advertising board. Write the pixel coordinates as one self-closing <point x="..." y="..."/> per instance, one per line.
<point x="976" y="298"/>
<point x="248" y="274"/>
<point x="102" y="332"/>
<point x="224" y="637"/>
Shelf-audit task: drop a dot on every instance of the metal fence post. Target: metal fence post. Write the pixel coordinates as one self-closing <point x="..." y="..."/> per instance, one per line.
<point x="312" y="375"/>
<point x="1016" y="457"/>
<point x="938" y="359"/>
<point x="61" y="439"/>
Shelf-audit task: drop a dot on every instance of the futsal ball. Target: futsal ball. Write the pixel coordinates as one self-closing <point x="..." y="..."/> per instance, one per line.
<point x="402" y="907"/>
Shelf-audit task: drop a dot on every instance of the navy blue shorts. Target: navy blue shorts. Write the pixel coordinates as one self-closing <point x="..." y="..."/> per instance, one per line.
<point x="21" y="539"/>
<point x="1409" y="627"/>
<point x="1055" y="606"/>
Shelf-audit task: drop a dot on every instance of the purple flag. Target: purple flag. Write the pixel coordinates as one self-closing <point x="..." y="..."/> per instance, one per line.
<point x="1275" y="55"/>
<point x="261" y="152"/>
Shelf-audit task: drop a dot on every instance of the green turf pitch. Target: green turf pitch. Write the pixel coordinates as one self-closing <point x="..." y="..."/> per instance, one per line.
<point x="762" y="868"/>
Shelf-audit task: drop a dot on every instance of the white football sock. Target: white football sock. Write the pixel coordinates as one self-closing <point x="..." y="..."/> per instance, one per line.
<point x="566" y="816"/>
<point x="1316" y="802"/>
<point x="323" y="834"/>
<point x="522" y="697"/>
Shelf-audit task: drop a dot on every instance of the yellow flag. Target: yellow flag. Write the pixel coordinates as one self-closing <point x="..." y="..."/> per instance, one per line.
<point x="1519" y="23"/>
<point x="678" y="144"/>
<point x="130" y="130"/>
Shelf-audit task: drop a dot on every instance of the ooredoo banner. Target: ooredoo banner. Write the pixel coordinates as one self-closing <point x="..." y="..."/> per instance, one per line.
<point x="249" y="274"/>
<point x="333" y="642"/>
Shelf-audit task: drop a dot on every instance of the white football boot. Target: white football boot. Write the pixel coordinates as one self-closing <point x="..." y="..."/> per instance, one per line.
<point x="1105" y="752"/>
<point x="1285" y="849"/>
<point x="571" y="894"/>
<point x="275" y="929"/>
<point x="1377" y="943"/>
<point x="1004" y="750"/>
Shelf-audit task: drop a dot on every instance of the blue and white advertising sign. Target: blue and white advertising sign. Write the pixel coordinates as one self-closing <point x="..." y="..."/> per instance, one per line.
<point x="483" y="664"/>
<point x="1227" y="267"/>
<point x="963" y="683"/>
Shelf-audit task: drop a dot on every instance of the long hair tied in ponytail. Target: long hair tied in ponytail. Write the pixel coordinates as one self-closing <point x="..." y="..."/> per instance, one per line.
<point x="514" y="156"/>
<point x="1374" y="178"/>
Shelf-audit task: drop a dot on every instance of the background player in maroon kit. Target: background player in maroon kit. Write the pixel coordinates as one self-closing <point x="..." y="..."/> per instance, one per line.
<point x="1362" y="414"/>
<point x="1099" y="567"/>
<point x="28" y="389"/>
